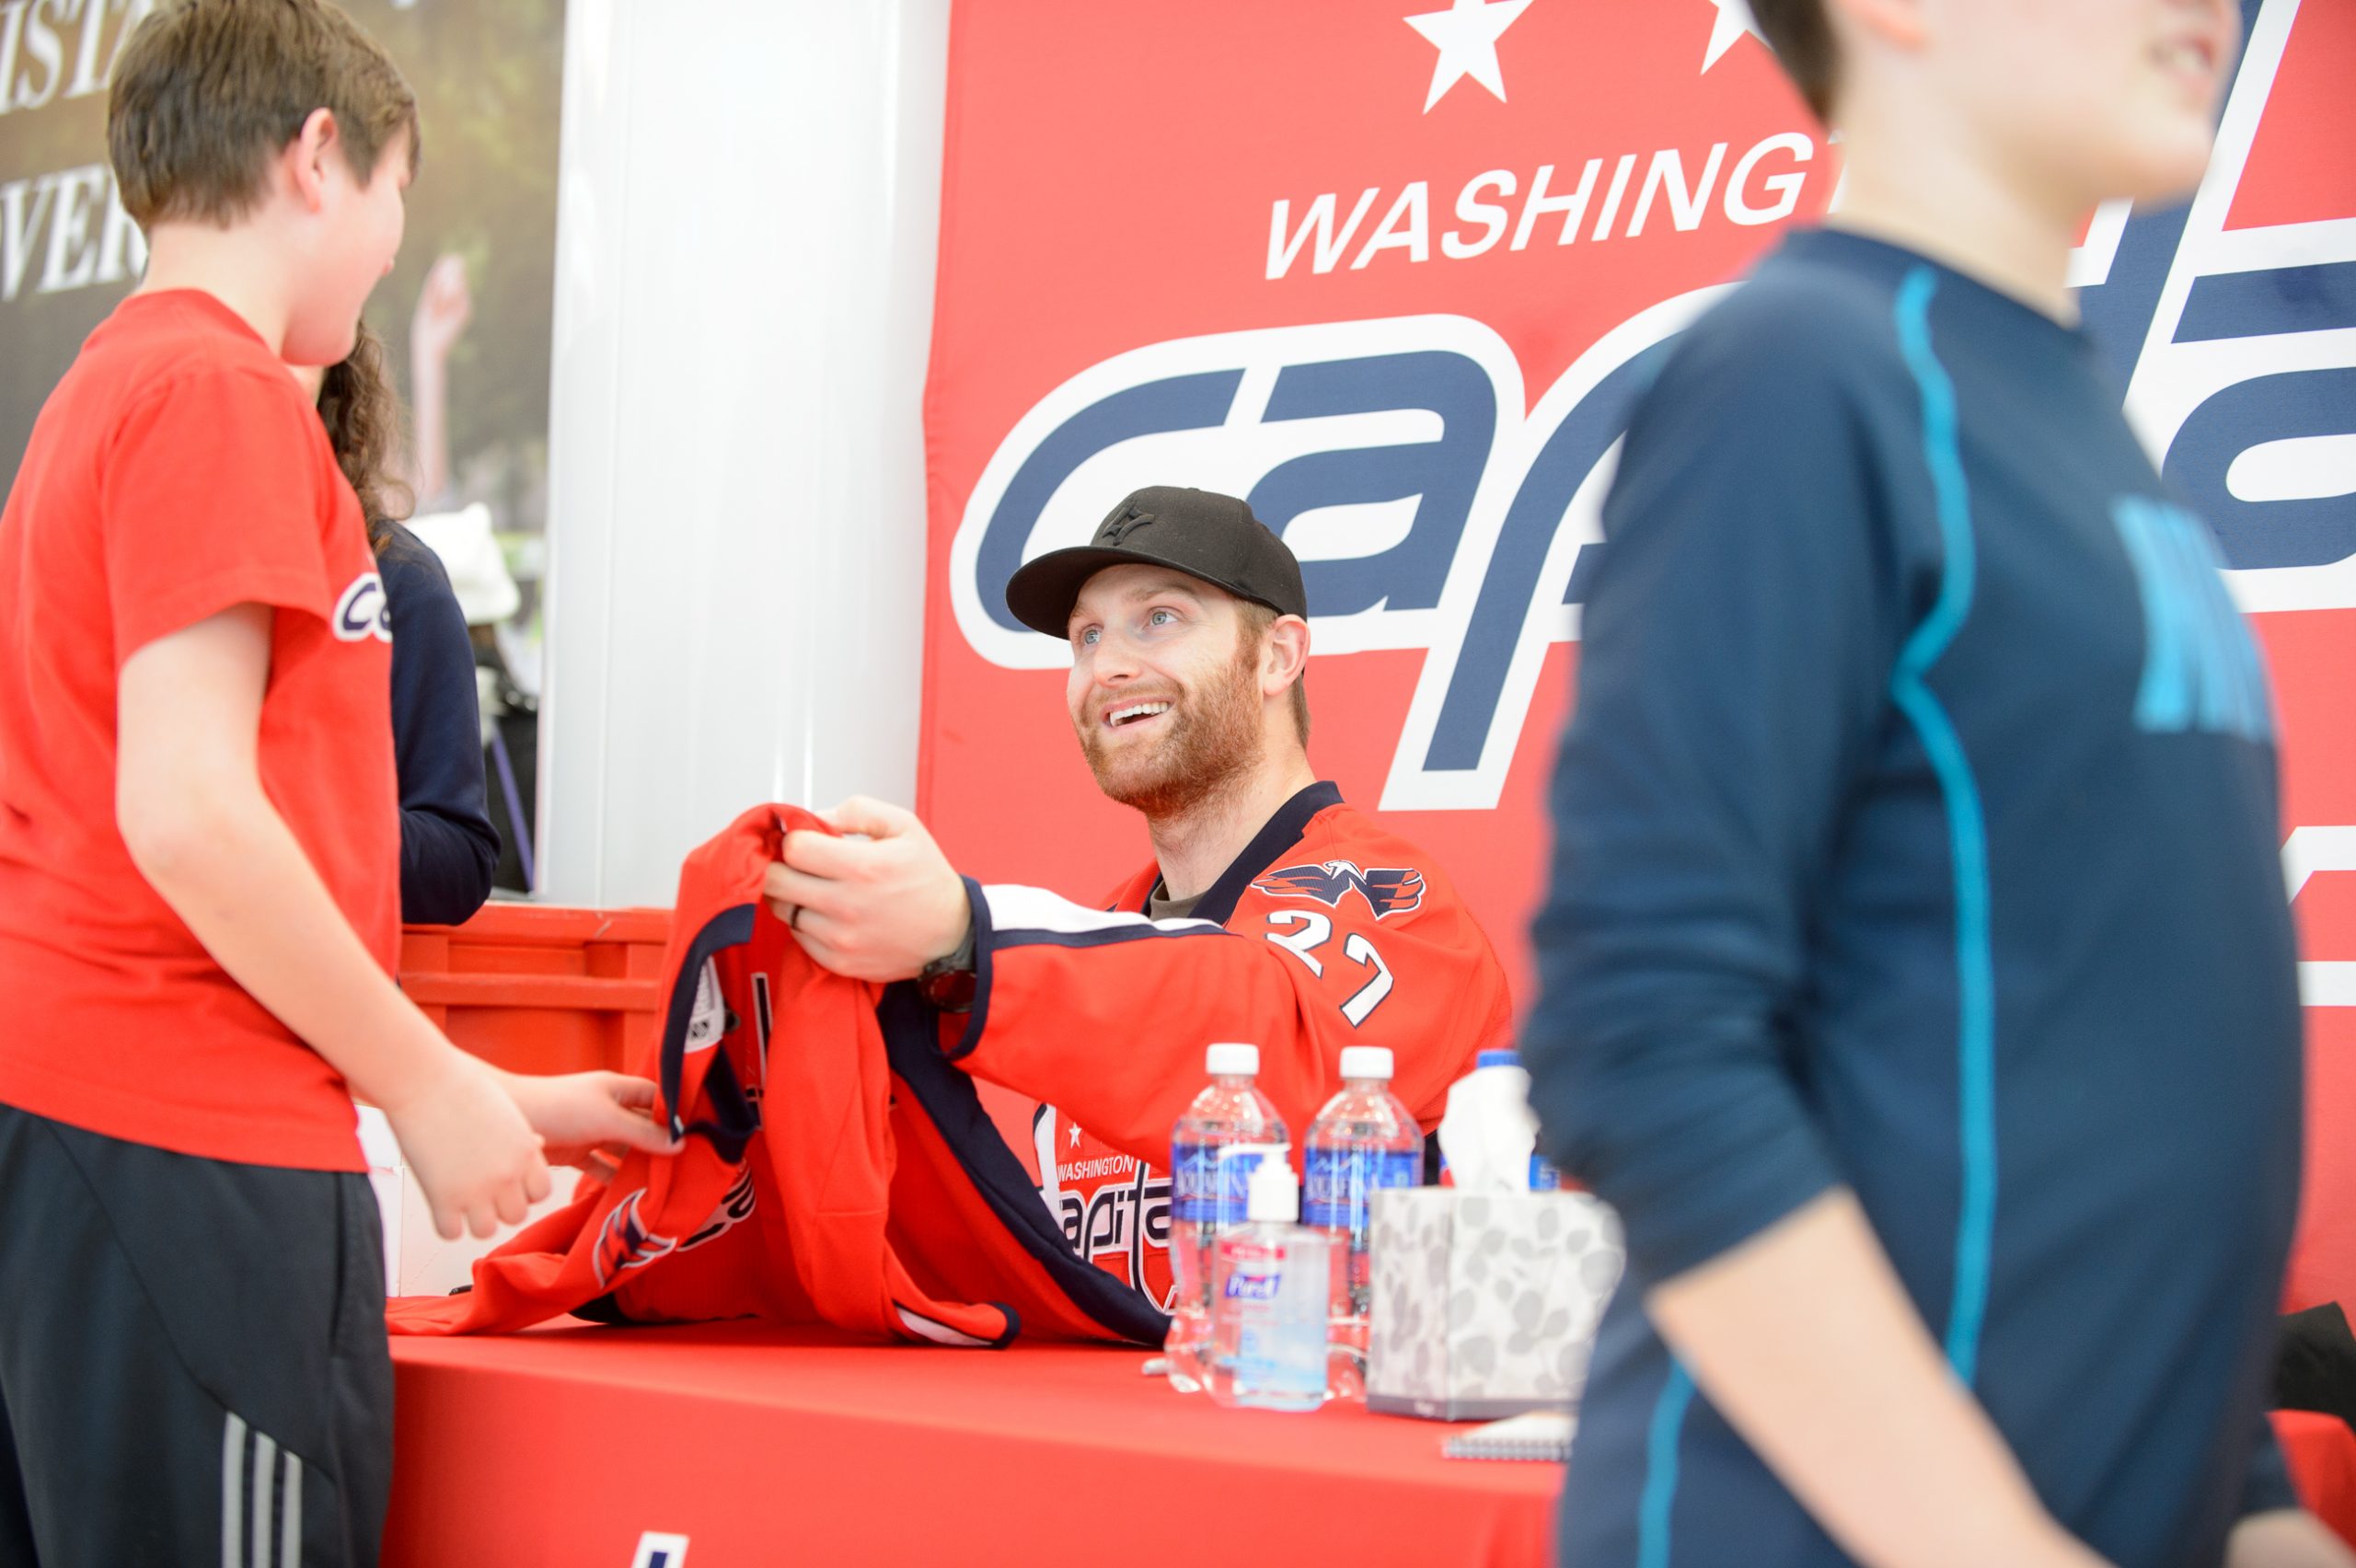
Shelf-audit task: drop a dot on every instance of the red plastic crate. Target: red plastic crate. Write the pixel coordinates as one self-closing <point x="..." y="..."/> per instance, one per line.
<point x="543" y="989"/>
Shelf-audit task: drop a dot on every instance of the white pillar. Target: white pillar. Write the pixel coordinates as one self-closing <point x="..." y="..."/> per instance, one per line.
<point x="749" y="197"/>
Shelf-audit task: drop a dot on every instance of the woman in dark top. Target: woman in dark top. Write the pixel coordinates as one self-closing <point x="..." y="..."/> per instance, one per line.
<point x="448" y="847"/>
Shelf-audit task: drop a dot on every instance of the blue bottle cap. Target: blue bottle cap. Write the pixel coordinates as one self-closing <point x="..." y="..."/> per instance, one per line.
<point x="1504" y="1056"/>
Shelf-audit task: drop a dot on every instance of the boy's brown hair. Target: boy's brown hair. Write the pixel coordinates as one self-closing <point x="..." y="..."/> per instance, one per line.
<point x="207" y="91"/>
<point x="1801" y="36"/>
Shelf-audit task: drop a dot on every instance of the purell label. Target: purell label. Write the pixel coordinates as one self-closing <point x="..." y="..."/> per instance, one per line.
<point x="1241" y="1287"/>
<point x="1255" y="1272"/>
<point x="1340" y="1179"/>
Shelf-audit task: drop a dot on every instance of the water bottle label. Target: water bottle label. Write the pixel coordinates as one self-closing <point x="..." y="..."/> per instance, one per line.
<point x="1210" y="1183"/>
<point x="1340" y="1179"/>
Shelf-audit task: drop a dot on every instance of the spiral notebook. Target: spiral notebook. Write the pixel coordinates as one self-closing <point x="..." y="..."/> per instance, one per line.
<point x="1539" y="1435"/>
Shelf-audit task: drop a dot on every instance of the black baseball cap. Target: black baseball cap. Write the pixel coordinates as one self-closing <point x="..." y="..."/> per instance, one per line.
<point x="1204" y="534"/>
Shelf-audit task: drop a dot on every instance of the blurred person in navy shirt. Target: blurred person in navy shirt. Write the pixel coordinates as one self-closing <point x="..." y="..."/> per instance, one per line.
<point x="448" y="846"/>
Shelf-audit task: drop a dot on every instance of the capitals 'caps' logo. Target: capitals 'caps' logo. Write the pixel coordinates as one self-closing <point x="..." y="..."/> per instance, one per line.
<point x="1388" y="890"/>
<point x="360" y="611"/>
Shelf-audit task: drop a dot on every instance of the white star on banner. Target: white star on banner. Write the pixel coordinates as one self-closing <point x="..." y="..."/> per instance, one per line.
<point x="1466" y="36"/>
<point x="1734" y="20"/>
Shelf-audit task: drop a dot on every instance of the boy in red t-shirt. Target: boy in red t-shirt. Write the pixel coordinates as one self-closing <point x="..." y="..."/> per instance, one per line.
<point x="199" y="856"/>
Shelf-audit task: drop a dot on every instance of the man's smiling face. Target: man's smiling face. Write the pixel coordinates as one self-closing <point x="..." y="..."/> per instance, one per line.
<point x="1164" y="691"/>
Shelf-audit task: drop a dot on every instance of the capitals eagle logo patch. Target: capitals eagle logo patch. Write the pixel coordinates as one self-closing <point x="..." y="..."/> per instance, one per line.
<point x="1388" y="890"/>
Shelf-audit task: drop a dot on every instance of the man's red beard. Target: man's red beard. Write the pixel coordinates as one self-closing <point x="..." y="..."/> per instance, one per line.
<point x="1214" y="740"/>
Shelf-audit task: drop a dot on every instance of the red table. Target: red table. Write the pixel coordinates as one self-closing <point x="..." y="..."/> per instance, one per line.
<point x="760" y="1445"/>
<point x="568" y="1445"/>
<point x="2322" y="1454"/>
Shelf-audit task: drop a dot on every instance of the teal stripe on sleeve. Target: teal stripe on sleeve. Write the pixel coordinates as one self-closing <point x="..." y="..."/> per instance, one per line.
<point x="1967" y="823"/>
<point x="1661" y="1466"/>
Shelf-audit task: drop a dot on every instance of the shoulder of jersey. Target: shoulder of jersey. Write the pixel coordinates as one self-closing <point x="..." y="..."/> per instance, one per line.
<point x="1129" y="893"/>
<point x="1344" y="857"/>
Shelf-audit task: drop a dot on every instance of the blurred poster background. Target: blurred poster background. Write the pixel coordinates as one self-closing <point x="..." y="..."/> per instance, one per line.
<point x="469" y="303"/>
<point x="466" y="314"/>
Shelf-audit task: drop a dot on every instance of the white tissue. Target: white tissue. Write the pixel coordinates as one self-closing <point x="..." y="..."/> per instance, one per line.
<point x="1488" y="1131"/>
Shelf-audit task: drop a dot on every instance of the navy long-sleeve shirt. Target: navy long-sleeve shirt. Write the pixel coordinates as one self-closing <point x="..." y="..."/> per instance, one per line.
<point x="448" y="847"/>
<point x="1916" y="834"/>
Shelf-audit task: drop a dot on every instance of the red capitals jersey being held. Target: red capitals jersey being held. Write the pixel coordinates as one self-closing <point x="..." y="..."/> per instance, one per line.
<point x="1327" y="931"/>
<point x="849" y="1176"/>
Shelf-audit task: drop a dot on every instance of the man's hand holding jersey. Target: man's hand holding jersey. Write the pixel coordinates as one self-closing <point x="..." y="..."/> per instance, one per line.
<point x="877" y="907"/>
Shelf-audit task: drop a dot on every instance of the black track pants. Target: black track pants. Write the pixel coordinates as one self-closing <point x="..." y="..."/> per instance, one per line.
<point x="192" y="1361"/>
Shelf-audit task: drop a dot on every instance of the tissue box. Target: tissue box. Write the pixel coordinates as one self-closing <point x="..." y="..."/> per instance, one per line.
<point x="1485" y="1304"/>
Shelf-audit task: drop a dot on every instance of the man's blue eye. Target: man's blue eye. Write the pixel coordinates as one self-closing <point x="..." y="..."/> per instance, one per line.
<point x="1160" y="617"/>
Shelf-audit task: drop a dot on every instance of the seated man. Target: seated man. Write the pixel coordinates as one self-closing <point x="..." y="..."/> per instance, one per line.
<point x="1271" y="913"/>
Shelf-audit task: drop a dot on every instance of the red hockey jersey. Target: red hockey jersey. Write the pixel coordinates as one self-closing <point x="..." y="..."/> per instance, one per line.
<point x="1327" y="931"/>
<point x="837" y="1168"/>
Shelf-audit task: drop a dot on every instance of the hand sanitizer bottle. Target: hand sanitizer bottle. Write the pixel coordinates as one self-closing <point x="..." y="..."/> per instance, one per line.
<point x="1273" y="1282"/>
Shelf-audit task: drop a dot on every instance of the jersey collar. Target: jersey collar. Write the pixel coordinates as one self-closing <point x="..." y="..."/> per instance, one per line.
<point x="1281" y="832"/>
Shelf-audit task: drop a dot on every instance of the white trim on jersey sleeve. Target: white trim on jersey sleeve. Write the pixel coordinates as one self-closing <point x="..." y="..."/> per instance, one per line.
<point x="1020" y="915"/>
<point x="1044" y="1125"/>
<point x="939" y="1334"/>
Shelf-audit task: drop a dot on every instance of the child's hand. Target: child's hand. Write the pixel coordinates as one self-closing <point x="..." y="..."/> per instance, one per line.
<point x="590" y="1120"/>
<point x="471" y="1150"/>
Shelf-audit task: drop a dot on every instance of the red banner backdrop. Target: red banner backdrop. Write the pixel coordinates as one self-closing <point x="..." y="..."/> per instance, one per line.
<point x="1393" y="272"/>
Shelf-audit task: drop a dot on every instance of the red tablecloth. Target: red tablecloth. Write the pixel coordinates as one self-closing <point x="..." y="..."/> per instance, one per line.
<point x="2322" y="1452"/>
<point x="567" y="1446"/>
<point x="762" y="1445"/>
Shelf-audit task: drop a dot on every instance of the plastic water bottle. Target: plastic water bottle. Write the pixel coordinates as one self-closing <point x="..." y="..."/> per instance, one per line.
<point x="1230" y="1128"/>
<point x="1364" y="1140"/>
<point x="1269" y="1302"/>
